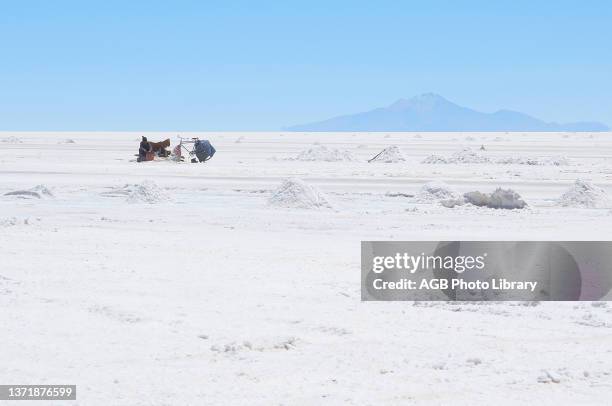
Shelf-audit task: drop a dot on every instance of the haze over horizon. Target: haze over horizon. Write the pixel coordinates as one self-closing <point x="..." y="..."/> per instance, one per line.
<point x="194" y="66"/>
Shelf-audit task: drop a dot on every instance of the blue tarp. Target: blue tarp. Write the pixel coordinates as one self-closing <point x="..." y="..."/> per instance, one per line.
<point x="204" y="149"/>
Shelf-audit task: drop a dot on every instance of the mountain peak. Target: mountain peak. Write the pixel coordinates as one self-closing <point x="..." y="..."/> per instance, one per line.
<point x="422" y="102"/>
<point x="432" y="112"/>
<point x="427" y="97"/>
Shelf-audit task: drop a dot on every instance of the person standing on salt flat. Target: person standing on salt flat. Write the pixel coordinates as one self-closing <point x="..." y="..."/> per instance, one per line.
<point x="145" y="147"/>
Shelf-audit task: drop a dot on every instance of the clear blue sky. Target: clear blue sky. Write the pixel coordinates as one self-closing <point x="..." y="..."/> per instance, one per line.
<point x="261" y="65"/>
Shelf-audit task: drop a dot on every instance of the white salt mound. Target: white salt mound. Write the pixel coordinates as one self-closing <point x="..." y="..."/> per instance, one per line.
<point x="450" y="203"/>
<point x="43" y="191"/>
<point x="499" y="199"/>
<point x="465" y="156"/>
<point x="436" y="191"/>
<point x="323" y="153"/>
<point x="37" y="192"/>
<point x="543" y="161"/>
<point x="7" y="222"/>
<point x="390" y="155"/>
<point x="476" y="198"/>
<point x="145" y="192"/>
<point x="296" y="194"/>
<point x="584" y="194"/>
<point x="435" y="159"/>
<point x="468" y="156"/>
<point x="12" y="140"/>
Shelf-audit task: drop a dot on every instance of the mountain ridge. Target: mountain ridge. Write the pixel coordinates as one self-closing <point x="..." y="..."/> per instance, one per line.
<point x="432" y="112"/>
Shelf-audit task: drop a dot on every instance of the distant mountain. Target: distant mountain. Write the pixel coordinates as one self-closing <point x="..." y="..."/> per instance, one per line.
<point x="431" y="112"/>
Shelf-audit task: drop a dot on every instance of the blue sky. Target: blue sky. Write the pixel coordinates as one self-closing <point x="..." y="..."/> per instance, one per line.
<point x="249" y="65"/>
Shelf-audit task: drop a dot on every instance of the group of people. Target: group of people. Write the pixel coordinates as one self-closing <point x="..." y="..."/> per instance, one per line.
<point x="202" y="149"/>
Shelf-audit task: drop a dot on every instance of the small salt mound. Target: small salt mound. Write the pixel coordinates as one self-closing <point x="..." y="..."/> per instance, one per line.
<point x="389" y="155"/>
<point x="323" y="153"/>
<point x="505" y="199"/>
<point x="435" y="159"/>
<point x="37" y="192"/>
<point x="476" y="198"/>
<point x="584" y="194"/>
<point x="8" y="222"/>
<point x="12" y="140"/>
<point x="296" y="194"/>
<point x="145" y="192"/>
<point x="450" y="203"/>
<point x="499" y="199"/>
<point x="468" y="156"/>
<point x="436" y="191"/>
<point x="43" y="191"/>
<point x="465" y="156"/>
<point x="545" y="161"/>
